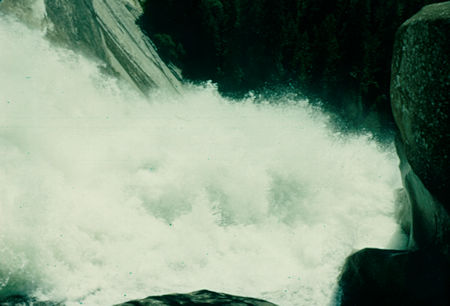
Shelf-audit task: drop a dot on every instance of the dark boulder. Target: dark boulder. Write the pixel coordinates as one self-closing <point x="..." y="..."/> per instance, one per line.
<point x="428" y="219"/>
<point x="389" y="277"/>
<point x="420" y="95"/>
<point x="202" y="297"/>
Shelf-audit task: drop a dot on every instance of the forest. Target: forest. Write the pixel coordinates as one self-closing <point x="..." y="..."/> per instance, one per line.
<point x="338" y="53"/>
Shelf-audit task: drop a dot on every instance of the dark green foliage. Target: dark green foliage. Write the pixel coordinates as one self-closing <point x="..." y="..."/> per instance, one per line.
<point x="339" y="52"/>
<point x="169" y="50"/>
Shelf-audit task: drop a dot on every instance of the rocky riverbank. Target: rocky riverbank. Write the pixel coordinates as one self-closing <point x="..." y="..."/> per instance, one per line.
<point x="420" y="95"/>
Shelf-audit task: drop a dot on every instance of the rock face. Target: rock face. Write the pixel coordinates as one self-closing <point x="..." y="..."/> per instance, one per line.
<point x="420" y="94"/>
<point x="420" y="97"/>
<point x="202" y="297"/>
<point x="389" y="277"/>
<point x="106" y="29"/>
<point x="429" y="219"/>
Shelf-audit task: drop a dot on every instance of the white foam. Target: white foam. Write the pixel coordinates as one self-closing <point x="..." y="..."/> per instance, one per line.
<point x="106" y="196"/>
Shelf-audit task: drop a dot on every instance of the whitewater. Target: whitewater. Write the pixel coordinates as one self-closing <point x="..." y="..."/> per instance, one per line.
<point x="107" y="196"/>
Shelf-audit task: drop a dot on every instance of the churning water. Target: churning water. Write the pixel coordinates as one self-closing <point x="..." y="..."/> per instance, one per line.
<point x="106" y="196"/>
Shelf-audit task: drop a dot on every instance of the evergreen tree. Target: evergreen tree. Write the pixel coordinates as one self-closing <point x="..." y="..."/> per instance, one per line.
<point x="339" y="52"/>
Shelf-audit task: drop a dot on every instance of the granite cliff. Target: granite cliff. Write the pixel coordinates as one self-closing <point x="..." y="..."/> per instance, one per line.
<point x="107" y="30"/>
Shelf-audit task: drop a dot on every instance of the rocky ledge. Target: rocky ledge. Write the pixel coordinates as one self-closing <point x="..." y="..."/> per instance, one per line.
<point x="202" y="297"/>
<point x="420" y="97"/>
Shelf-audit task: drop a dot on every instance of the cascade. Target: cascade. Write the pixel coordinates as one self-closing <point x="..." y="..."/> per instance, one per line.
<point x="106" y="195"/>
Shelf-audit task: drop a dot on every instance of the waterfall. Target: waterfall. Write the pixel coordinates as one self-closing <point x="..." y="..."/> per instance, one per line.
<point x="106" y="195"/>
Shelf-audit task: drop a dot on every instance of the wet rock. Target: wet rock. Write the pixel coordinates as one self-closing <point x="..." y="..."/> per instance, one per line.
<point x="107" y="30"/>
<point x="202" y="297"/>
<point x="420" y="95"/>
<point x="389" y="277"/>
<point x="428" y="219"/>
<point x="403" y="210"/>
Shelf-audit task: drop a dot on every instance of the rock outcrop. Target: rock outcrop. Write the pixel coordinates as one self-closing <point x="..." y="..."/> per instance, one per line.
<point x="420" y="97"/>
<point x="420" y="94"/>
<point x="202" y="297"/>
<point x="390" y="277"/>
<point x="107" y="30"/>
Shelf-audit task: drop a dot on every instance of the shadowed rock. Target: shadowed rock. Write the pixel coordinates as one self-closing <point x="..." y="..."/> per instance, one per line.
<point x="420" y="94"/>
<point x="420" y="97"/>
<point x="202" y="297"/>
<point x="428" y="219"/>
<point x="388" y="277"/>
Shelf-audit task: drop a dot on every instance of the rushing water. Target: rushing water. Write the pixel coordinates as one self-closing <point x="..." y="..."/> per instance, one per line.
<point x="106" y="196"/>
